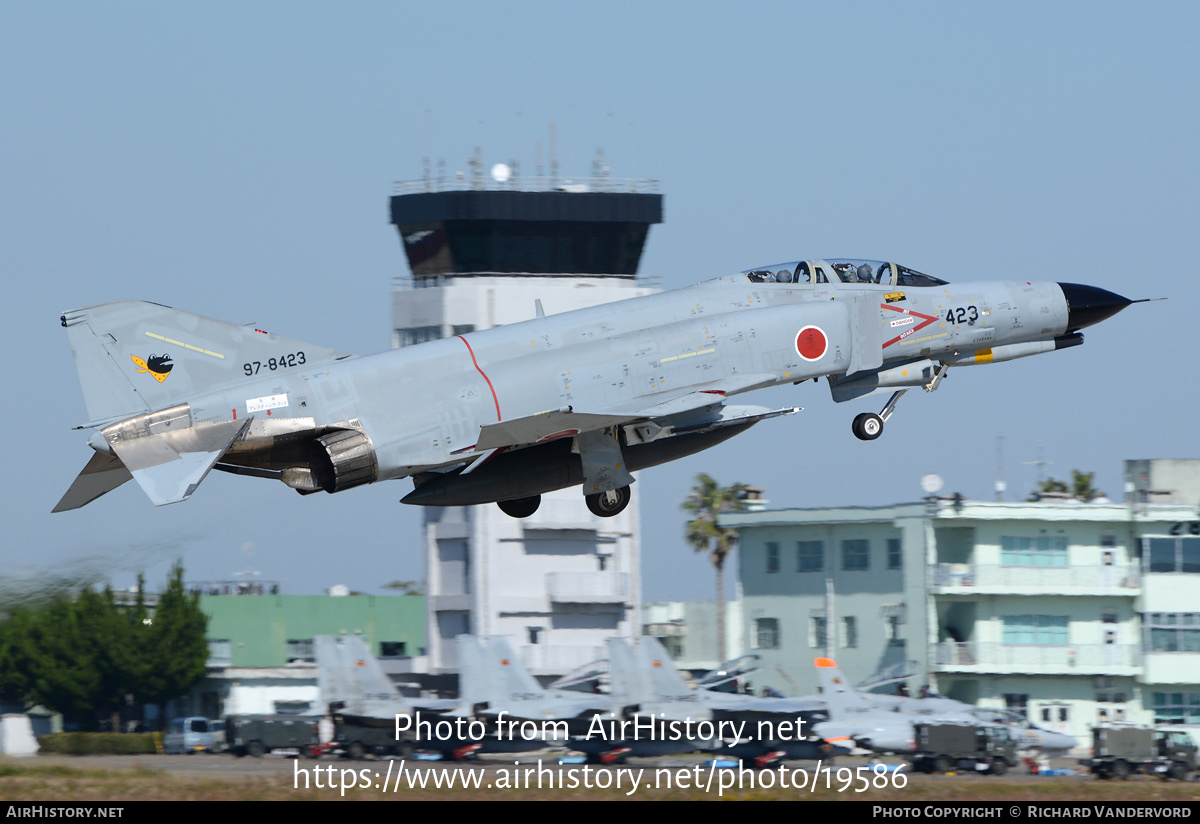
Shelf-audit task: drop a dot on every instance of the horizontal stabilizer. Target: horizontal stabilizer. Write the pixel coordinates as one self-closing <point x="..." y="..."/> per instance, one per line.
<point x="169" y="466"/>
<point x="103" y="473"/>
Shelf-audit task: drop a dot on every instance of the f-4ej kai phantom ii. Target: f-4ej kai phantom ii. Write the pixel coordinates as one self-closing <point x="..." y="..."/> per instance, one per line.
<point x="582" y="398"/>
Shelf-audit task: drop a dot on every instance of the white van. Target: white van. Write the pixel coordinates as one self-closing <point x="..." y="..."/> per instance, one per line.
<point x="189" y="735"/>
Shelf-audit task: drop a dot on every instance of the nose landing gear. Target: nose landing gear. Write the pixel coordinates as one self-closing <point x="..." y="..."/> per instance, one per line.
<point x="868" y="426"/>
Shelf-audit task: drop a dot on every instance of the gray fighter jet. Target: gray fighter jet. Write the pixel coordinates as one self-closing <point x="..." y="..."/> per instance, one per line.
<point x="582" y="398"/>
<point x="369" y="708"/>
<point x="885" y="722"/>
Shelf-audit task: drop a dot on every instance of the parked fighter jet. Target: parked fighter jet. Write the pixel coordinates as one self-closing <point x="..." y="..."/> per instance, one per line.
<point x="506" y="414"/>
<point x="370" y="711"/>
<point x="885" y="722"/>
<point x="749" y="727"/>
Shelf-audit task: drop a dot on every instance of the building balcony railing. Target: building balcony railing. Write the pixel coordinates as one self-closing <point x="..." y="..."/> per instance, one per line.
<point x="1035" y="580"/>
<point x="588" y="587"/>
<point x="559" y="659"/>
<point x="534" y="183"/>
<point x="985" y="656"/>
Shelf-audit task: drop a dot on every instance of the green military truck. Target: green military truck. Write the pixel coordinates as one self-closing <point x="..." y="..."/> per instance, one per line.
<point x="1119" y="752"/>
<point x="257" y="735"/>
<point x="357" y="736"/>
<point x="944" y="748"/>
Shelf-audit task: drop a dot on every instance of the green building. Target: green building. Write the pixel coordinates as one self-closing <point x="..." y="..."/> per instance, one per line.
<point x="261" y="647"/>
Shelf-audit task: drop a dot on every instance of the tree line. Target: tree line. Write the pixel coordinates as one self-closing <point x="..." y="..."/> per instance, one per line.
<point x="94" y="661"/>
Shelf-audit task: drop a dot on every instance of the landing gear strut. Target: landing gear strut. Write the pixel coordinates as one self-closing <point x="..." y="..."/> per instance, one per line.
<point x="520" y="507"/>
<point x="608" y="504"/>
<point x="868" y="426"/>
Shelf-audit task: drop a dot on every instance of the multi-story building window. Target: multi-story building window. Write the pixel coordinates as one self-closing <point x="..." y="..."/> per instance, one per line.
<point x="766" y="633"/>
<point x="300" y="649"/>
<point x="1043" y="551"/>
<point x="894" y="558"/>
<point x="810" y="556"/>
<point x="420" y="334"/>
<point x="1171" y="554"/>
<point x="1036" y="630"/>
<point x="849" y="632"/>
<point x="856" y="555"/>
<point x="1172" y="631"/>
<point x="816" y="631"/>
<point x="220" y="652"/>
<point x="772" y="556"/>
<point x="1017" y="702"/>
<point x="1176" y="707"/>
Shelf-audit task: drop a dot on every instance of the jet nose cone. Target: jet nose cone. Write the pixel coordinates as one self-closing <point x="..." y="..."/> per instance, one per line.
<point x="1090" y="304"/>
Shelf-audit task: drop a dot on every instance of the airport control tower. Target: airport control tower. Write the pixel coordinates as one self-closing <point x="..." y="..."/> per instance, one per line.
<point x="482" y="250"/>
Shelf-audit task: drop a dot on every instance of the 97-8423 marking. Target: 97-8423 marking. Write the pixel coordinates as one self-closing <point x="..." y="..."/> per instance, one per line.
<point x="282" y="362"/>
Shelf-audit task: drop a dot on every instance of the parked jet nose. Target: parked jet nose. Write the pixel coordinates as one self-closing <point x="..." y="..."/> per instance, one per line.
<point x="1090" y="304"/>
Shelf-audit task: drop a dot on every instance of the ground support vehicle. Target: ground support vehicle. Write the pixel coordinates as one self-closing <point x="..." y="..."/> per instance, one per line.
<point x="257" y="735"/>
<point x="356" y="737"/>
<point x="944" y="748"/>
<point x="1119" y="752"/>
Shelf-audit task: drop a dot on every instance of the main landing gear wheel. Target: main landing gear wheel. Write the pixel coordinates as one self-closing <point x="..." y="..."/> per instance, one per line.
<point x="608" y="504"/>
<point x="868" y="426"/>
<point x="520" y="507"/>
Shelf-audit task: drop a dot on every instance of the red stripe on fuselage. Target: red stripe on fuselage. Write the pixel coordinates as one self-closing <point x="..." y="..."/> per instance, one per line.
<point x="485" y="377"/>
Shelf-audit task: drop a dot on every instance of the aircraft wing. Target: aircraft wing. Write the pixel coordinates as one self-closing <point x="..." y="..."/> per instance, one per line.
<point x="565" y="422"/>
<point x="544" y="426"/>
<point x="689" y="398"/>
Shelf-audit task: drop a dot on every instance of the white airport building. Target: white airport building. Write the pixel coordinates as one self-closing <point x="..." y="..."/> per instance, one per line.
<point x="1071" y="613"/>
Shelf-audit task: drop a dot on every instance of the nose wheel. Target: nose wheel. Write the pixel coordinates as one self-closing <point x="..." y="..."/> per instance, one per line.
<point x="608" y="504"/>
<point x="867" y="427"/>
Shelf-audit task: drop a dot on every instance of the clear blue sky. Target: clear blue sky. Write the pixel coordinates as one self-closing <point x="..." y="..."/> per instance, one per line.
<point x="235" y="160"/>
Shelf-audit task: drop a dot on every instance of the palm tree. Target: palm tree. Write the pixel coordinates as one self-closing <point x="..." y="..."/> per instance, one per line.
<point x="707" y="500"/>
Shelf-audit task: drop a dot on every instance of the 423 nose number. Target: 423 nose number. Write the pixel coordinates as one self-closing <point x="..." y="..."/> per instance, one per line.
<point x="282" y="362"/>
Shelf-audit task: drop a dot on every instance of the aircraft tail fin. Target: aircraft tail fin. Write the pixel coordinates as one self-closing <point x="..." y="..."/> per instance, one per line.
<point x="840" y="697"/>
<point x="647" y="678"/>
<point x="510" y="670"/>
<point x="474" y="686"/>
<point x="627" y="683"/>
<point x="333" y="677"/>
<point x="491" y="673"/>
<point x="664" y="676"/>
<point x="347" y="672"/>
<point x="134" y="356"/>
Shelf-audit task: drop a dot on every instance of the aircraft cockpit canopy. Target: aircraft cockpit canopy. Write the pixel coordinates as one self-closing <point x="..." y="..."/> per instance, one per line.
<point x="841" y="270"/>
